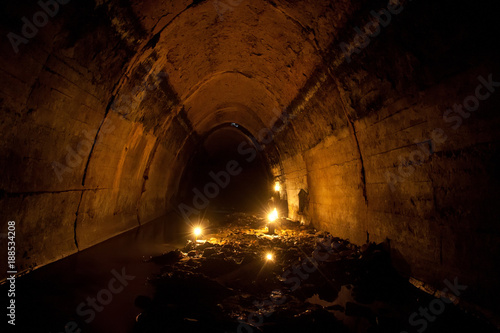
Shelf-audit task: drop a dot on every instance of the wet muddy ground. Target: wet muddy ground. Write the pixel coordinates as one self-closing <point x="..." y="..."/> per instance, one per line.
<point x="241" y="278"/>
<point x="48" y="298"/>
<point x="224" y="282"/>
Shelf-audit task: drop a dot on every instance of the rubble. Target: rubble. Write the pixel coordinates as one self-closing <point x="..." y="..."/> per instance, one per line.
<point x="315" y="281"/>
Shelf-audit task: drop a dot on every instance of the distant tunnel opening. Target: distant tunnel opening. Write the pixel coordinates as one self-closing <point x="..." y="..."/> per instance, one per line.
<point x="226" y="173"/>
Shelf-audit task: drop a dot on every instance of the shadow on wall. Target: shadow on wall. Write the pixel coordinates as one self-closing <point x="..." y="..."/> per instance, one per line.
<point x="304" y="206"/>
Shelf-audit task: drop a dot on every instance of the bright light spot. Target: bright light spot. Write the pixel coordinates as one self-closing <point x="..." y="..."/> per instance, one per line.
<point x="269" y="256"/>
<point x="277" y="187"/>
<point x="197" y="231"/>
<point x="273" y="215"/>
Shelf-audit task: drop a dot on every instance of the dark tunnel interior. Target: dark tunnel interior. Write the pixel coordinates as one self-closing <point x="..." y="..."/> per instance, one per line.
<point x="260" y="166"/>
<point x="227" y="173"/>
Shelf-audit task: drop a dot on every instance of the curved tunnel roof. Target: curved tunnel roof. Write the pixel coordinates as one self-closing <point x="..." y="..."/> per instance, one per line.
<point x="239" y="61"/>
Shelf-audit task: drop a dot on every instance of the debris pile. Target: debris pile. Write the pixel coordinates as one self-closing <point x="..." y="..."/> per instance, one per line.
<point x="244" y="279"/>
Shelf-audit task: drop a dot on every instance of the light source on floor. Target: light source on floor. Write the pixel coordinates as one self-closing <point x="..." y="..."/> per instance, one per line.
<point x="269" y="256"/>
<point x="197" y="231"/>
<point x="273" y="216"/>
<point x="277" y="187"/>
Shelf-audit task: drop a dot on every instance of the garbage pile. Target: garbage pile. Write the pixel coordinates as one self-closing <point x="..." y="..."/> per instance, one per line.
<point x="241" y="278"/>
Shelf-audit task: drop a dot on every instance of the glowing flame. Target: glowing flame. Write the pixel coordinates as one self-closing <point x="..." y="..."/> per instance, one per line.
<point x="269" y="256"/>
<point x="197" y="231"/>
<point x="277" y="186"/>
<point x="273" y="215"/>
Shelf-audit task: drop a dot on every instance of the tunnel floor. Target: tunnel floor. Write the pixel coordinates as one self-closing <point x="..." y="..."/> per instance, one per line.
<point x="311" y="282"/>
<point x="47" y="298"/>
<point x="157" y="278"/>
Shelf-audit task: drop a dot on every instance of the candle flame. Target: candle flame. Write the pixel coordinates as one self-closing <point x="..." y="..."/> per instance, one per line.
<point x="277" y="187"/>
<point x="197" y="231"/>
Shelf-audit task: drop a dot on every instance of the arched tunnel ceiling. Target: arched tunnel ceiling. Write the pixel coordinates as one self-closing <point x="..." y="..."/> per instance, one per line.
<point x="229" y="97"/>
<point x="239" y="63"/>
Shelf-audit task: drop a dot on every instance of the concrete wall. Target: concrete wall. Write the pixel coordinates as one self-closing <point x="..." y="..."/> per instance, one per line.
<point x="76" y="168"/>
<point x="355" y="123"/>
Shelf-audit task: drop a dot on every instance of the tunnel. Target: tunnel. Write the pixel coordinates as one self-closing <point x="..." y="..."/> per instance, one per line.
<point x="226" y="173"/>
<point x="370" y="126"/>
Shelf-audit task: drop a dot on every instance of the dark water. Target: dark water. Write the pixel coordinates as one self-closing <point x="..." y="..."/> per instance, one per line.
<point x="47" y="298"/>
